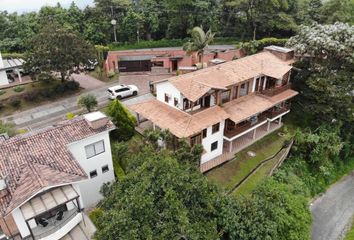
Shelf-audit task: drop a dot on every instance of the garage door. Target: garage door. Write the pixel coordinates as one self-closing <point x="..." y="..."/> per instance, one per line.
<point x="134" y="63"/>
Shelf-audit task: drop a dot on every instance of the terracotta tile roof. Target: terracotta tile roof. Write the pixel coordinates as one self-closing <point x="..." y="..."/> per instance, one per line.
<point x="247" y="106"/>
<point x="180" y="124"/>
<point x="195" y="84"/>
<point x="40" y="159"/>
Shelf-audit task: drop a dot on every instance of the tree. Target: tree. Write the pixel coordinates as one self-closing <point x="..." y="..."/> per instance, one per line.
<point x="58" y="49"/>
<point x="314" y="10"/>
<point x="200" y="41"/>
<point x="159" y="199"/>
<point x="125" y="122"/>
<point x="338" y="11"/>
<point x="88" y="101"/>
<point x="275" y="210"/>
<point x="7" y="128"/>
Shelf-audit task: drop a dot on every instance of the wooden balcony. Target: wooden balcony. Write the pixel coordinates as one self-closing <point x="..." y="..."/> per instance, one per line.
<point x="275" y="91"/>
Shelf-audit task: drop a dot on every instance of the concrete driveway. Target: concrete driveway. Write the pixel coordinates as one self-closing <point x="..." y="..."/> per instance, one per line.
<point x="87" y="82"/>
<point x="333" y="211"/>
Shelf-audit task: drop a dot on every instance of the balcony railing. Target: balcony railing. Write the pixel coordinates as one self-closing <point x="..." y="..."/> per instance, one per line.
<point x="261" y="118"/>
<point x="41" y="232"/>
<point x="274" y="91"/>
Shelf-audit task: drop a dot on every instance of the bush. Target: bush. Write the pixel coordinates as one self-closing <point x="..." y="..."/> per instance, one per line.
<point x="15" y="102"/>
<point x="31" y="96"/>
<point x="59" y="89"/>
<point x="22" y="131"/>
<point x="2" y="92"/>
<point x="88" y="101"/>
<point x="19" y="88"/>
<point x="47" y="92"/>
<point x="72" y="85"/>
<point x="253" y="47"/>
<point x="7" y="128"/>
<point x="45" y="78"/>
<point x="70" y="116"/>
<point x="95" y="214"/>
<point x="111" y="74"/>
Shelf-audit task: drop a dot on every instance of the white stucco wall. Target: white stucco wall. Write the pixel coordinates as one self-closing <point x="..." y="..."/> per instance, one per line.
<point x="218" y="136"/>
<point x="20" y="222"/>
<point x="3" y="78"/>
<point x="168" y="88"/>
<point x="90" y="188"/>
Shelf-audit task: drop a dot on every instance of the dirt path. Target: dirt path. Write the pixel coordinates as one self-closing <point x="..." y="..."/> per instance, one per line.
<point x="334" y="210"/>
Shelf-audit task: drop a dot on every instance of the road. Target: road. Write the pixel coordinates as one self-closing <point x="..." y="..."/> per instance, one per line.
<point x="51" y="113"/>
<point x="333" y="211"/>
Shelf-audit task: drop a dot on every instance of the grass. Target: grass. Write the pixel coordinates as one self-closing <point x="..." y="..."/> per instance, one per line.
<point x="10" y="92"/>
<point x="103" y="77"/>
<point x="232" y="172"/>
<point x="350" y="233"/>
<point x="256" y="178"/>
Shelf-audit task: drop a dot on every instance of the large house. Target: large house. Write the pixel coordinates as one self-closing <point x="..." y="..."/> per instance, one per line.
<point x="225" y="107"/>
<point x="49" y="176"/>
<point x="165" y="60"/>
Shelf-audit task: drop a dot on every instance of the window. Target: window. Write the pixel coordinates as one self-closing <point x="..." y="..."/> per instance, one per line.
<point x="167" y="98"/>
<point x="186" y="104"/>
<point x="225" y="96"/>
<point x="244" y="89"/>
<point x="176" y="102"/>
<point x="205" y="133"/>
<point x="105" y="169"/>
<point x="215" y="128"/>
<point x="93" y="174"/>
<point x="196" y="140"/>
<point x="214" y="146"/>
<point x="94" y="149"/>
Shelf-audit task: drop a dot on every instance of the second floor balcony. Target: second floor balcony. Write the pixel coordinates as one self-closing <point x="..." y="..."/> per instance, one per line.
<point x="275" y="90"/>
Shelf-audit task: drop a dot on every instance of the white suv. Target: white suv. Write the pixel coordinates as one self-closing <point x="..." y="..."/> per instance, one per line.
<point x="122" y="91"/>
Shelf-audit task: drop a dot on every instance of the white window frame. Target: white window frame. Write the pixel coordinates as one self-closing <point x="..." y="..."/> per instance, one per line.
<point x="105" y="166"/>
<point x="93" y="172"/>
<point x="94" y="149"/>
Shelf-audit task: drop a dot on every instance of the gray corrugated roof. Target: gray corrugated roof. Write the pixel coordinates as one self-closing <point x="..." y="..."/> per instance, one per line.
<point x="12" y="63"/>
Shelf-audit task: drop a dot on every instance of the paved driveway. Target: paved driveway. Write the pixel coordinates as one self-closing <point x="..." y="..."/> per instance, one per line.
<point x="333" y="211"/>
<point x="141" y="81"/>
<point x="87" y="82"/>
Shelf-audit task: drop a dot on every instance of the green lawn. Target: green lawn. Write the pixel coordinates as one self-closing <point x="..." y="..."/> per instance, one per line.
<point x="9" y="92"/>
<point x="103" y="78"/>
<point x="232" y="172"/>
<point x="350" y="234"/>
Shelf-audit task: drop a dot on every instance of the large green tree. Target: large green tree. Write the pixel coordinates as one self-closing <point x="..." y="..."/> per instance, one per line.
<point x="58" y="49"/>
<point x="159" y="199"/>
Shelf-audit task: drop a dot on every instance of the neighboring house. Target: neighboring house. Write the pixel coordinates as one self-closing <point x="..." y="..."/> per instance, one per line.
<point x="49" y="176"/>
<point x="165" y="60"/>
<point x="225" y="107"/>
<point x="10" y="68"/>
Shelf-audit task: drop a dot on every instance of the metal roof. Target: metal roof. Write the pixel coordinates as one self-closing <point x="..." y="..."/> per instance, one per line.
<point x="136" y="58"/>
<point x="12" y="63"/>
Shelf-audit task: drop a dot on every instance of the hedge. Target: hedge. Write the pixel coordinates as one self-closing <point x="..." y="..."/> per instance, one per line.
<point x="255" y="46"/>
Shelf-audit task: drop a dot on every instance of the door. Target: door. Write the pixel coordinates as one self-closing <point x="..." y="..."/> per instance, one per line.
<point x="207" y="101"/>
<point x="135" y="66"/>
<point x="174" y="65"/>
<point x="257" y="88"/>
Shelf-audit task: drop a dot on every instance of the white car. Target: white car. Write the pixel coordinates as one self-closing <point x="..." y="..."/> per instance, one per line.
<point x="122" y="91"/>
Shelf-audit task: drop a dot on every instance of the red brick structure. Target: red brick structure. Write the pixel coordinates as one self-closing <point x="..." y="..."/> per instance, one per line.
<point x="164" y="60"/>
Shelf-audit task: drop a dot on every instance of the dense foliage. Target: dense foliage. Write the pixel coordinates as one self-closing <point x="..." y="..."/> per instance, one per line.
<point x="125" y="122"/>
<point x="166" y="19"/>
<point x="88" y="101"/>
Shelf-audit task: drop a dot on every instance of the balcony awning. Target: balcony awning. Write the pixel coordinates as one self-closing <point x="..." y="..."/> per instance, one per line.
<point x="47" y="201"/>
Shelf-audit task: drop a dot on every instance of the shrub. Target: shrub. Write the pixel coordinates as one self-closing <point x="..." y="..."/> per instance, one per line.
<point x="111" y="74"/>
<point x="31" y="96"/>
<point x="95" y="214"/>
<point x="45" y="78"/>
<point x="15" y="102"/>
<point x="59" y="89"/>
<point x="8" y="128"/>
<point x="72" y="85"/>
<point x="47" y="92"/>
<point x="19" y="88"/>
<point x="22" y="131"/>
<point x="2" y="92"/>
<point x="88" y="101"/>
<point x="253" y="47"/>
<point x="70" y="116"/>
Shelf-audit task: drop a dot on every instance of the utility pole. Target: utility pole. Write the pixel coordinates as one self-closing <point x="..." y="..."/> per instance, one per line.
<point x="114" y="23"/>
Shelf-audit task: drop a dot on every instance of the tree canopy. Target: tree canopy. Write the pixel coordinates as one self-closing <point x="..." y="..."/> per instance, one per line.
<point x="57" y="49"/>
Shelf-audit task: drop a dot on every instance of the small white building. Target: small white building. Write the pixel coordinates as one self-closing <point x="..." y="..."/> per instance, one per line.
<point x="225" y="108"/>
<point x="13" y="65"/>
<point x="49" y="176"/>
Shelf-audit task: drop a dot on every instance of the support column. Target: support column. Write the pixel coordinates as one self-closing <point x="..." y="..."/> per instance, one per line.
<point x="268" y="127"/>
<point x="264" y="83"/>
<point x="280" y="120"/>
<point x="230" y="146"/>
<point x="19" y="75"/>
<point x="154" y="126"/>
<point x="254" y="133"/>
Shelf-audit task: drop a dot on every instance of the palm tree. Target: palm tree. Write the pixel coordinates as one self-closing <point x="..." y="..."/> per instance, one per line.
<point x="200" y="41"/>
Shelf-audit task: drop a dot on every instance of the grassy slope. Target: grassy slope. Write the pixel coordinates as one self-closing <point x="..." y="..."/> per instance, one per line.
<point x="234" y="171"/>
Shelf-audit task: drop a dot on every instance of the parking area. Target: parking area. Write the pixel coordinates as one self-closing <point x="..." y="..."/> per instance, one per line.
<point x="141" y="81"/>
